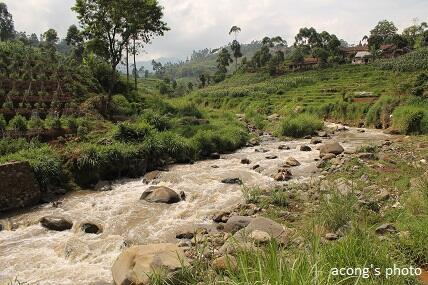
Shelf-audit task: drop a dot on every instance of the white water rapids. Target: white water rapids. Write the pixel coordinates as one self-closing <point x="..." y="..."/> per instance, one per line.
<point x="36" y="255"/>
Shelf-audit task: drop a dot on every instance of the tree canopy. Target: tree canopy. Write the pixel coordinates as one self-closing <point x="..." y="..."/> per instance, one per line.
<point x="7" y="29"/>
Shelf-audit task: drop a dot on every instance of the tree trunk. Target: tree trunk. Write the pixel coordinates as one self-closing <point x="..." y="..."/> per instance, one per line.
<point x="236" y="64"/>
<point x="127" y="69"/>
<point x="135" y="66"/>
<point x="110" y="91"/>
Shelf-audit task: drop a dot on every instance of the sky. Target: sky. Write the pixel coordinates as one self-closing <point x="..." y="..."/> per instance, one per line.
<point x="198" y="24"/>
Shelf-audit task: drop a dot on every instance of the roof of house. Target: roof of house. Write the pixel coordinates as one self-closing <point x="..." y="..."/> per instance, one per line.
<point x="362" y="54"/>
<point x="356" y="48"/>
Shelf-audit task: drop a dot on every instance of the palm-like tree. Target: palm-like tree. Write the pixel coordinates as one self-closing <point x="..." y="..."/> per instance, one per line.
<point x="235" y="30"/>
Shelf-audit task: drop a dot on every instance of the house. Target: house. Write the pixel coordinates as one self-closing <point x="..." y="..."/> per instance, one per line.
<point x="362" y="57"/>
<point x="350" y="52"/>
<point x="306" y="64"/>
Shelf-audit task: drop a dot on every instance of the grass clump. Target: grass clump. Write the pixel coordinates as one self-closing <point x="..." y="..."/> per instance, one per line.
<point x="300" y="125"/>
<point x="410" y="119"/>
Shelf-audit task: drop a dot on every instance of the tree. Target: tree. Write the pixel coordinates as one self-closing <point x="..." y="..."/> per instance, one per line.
<point x="114" y="23"/>
<point x="235" y="30"/>
<point x="7" y="29"/>
<point x="236" y="49"/>
<point x="51" y="37"/>
<point x="34" y="40"/>
<point x="415" y="34"/>
<point x="223" y="60"/>
<point x="382" y="33"/>
<point x="75" y="39"/>
<point x="203" y="80"/>
<point x="158" y="68"/>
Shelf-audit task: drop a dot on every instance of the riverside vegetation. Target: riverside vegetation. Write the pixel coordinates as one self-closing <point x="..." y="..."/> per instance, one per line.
<point x="371" y="207"/>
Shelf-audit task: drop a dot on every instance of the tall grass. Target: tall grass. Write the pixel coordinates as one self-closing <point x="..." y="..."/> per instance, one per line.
<point x="410" y="119"/>
<point x="300" y="125"/>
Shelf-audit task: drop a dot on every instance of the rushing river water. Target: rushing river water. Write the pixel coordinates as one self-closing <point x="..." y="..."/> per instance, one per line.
<point x="38" y="256"/>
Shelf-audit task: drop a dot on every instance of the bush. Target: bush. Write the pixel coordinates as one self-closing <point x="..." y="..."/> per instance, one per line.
<point x="159" y="122"/>
<point x="35" y="123"/>
<point x="3" y="124"/>
<point x="18" y="123"/>
<point x="52" y="122"/>
<point x="121" y="105"/>
<point x="300" y="125"/>
<point x="410" y="119"/>
<point x="132" y="132"/>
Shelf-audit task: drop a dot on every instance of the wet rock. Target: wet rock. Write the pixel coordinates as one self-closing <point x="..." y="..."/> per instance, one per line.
<point x="235" y="223"/>
<point x="135" y="264"/>
<point x="232" y="181"/>
<point x="305" y="148"/>
<point x="322" y="134"/>
<point x="160" y="194"/>
<point x="215" y="155"/>
<point x="225" y="262"/>
<point x="334" y="148"/>
<point x="386" y="228"/>
<point x="260" y="236"/>
<point x="271" y="156"/>
<point x="361" y="130"/>
<point x="331" y="236"/>
<point x="291" y="162"/>
<point x="56" y="223"/>
<point x="220" y="217"/>
<point x="90" y="228"/>
<point x="316" y="141"/>
<point x="1" y="227"/>
<point x="253" y="142"/>
<point x="214" y="166"/>
<point x="328" y="156"/>
<point x="283" y="175"/>
<point x="185" y="235"/>
<point x="255" y="167"/>
<point x="152" y="175"/>
<point x="102" y="186"/>
<point x="245" y="161"/>
<point x="284" y="147"/>
<point x="262" y="150"/>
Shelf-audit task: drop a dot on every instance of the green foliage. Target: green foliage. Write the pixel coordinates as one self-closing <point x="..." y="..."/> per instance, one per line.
<point x="132" y="132"/>
<point x="3" y="123"/>
<point x="410" y="119"/>
<point x="300" y="125"/>
<point x="158" y="121"/>
<point x="45" y="162"/>
<point x="414" y="61"/>
<point x="121" y="105"/>
<point x="53" y="122"/>
<point x="35" y="123"/>
<point x="18" y="123"/>
<point x="379" y="114"/>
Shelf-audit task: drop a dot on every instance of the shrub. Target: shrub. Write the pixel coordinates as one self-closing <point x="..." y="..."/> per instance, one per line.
<point x="300" y="125"/>
<point x="3" y="124"/>
<point x="18" y="123"/>
<point x="159" y="122"/>
<point x="410" y="119"/>
<point x="121" y="105"/>
<point x="35" y="123"/>
<point x="132" y="132"/>
<point x="53" y="122"/>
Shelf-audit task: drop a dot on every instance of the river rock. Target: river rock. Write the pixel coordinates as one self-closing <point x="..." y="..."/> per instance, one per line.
<point x="316" y="141"/>
<point x="245" y="161"/>
<point x="152" y="175"/>
<point x="272" y="156"/>
<point x="102" y="186"/>
<point x="234" y="180"/>
<point x="334" y="148"/>
<point x="274" y="229"/>
<point x="135" y="264"/>
<point x="90" y="228"/>
<point x="322" y="134"/>
<point x="283" y="175"/>
<point x="235" y="223"/>
<point x="56" y="223"/>
<point x="260" y="236"/>
<point x="222" y="216"/>
<point x="254" y="167"/>
<point x="291" y="162"/>
<point x="305" y="148"/>
<point x="225" y="262"/>
<point x="366" y="155"/>
<point x="160" y="194"/>
<point x="215" y="155"/>
<point x="284" y="147"/>
<point x="185" y="235"/>
<point x="331" y="236"/>
<point x="1" y="227"/>
<point x="328" y="156"/>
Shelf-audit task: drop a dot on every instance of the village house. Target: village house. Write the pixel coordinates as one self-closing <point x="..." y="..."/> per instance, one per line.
<point x="306" y="64"/>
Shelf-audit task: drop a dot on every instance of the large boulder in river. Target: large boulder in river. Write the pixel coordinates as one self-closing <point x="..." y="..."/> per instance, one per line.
<point x="334" y="148"/>
<point x="291" y="162"/>
<point x="160" y="194"/>
<point x="135" y="264"/>
<point x="56" y="223"/>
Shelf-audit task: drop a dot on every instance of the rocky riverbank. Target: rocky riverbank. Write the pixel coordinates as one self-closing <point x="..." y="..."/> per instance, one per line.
<point x="261" y="192"/>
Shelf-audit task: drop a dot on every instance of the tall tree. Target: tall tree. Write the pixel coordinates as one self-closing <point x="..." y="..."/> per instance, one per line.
<point x="7" y="29"/>
<point x="382" y="33"/>
<point x="235" y="30"/>
<point x="223" y="60"/>
<point x="75" y="39"/>
<point x="113" y="23"/>
<point x="51" y="37"/>
<point x="236" y="49"/>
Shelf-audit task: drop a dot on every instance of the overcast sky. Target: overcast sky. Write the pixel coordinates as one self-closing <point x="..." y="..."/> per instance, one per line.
<point x="196" y="24"/>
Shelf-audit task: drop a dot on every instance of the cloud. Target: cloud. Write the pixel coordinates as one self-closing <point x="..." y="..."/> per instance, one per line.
<point x="197" y="24"/>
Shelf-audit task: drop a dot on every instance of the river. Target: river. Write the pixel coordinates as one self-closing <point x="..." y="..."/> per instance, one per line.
<point x="35" y="255"/>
